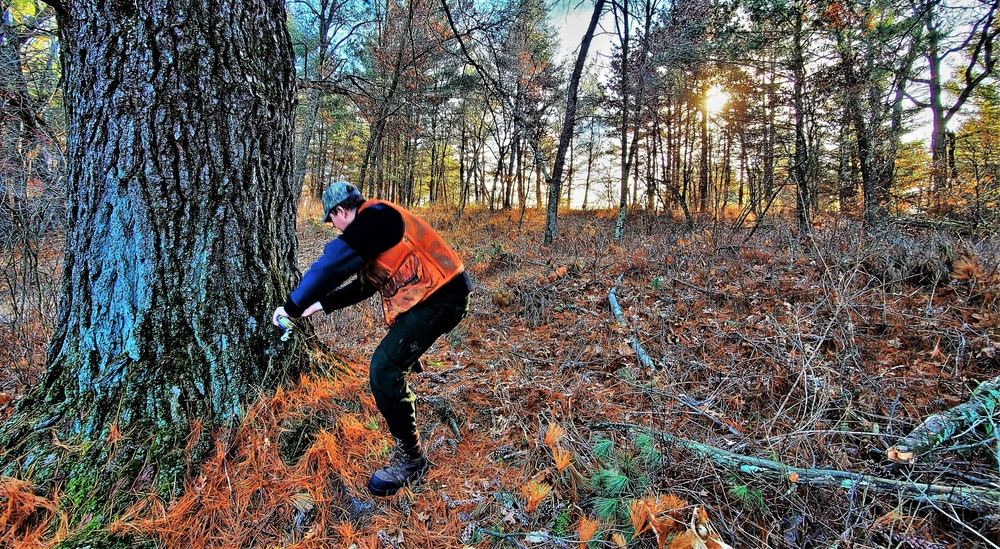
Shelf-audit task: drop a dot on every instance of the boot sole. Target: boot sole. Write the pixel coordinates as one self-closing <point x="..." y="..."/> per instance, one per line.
<point x="381" y="493"/>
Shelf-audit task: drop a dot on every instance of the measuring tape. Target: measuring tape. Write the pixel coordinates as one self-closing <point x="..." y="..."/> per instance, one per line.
<point x="287" y="324"/>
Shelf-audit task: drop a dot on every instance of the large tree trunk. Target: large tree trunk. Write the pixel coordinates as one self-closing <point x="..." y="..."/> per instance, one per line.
<point x="181" y="235"/>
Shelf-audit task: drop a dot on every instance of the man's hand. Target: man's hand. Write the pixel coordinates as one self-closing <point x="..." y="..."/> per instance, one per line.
<point x="280" y="311"/>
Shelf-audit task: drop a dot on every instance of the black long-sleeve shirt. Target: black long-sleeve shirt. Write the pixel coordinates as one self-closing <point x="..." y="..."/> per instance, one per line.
<point x="374" y="230"/>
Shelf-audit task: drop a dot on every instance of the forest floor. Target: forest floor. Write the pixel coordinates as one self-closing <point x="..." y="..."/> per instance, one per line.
<point x="546" y="427"/>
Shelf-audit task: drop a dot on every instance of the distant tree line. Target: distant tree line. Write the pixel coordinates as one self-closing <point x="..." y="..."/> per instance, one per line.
<point x="818" y="105"/>
<point x="433" y="101"/>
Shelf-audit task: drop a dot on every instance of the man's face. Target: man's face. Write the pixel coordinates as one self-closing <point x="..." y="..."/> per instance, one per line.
<point x="341" y="218"/>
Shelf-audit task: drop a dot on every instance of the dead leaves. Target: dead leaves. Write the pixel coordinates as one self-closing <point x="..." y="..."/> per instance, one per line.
<point x="534" y="492"/>
<point x="586" y="530"/>
<point x="554" y="434"/>
<point x="247" y="490"/>
<point x="733" y="327"/>
<point x="662" y="514"/>
<point x="27" y="519"/>
<point x="904" y="530"/>
<point x="656" y="513"/>
<point x="561" y="458"/>
<point x="551" y="276"/>
<point x="503" y="299"/>
<point x="699" y="534"/>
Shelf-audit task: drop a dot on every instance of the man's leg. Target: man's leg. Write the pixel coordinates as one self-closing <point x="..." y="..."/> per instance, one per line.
<point x="397" y="355"/>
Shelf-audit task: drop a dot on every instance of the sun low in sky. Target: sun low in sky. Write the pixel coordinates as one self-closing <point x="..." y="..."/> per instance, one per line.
<point x="716" y="99"/>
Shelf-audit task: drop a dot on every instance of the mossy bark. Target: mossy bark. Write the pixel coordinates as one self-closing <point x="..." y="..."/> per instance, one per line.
<point x="980" y="410"/>
<point x="181" y="240"/>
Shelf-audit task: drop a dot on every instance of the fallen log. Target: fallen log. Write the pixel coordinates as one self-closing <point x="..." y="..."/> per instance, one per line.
<point x="959" y="227"/>
<point x="938" y="428"/>
<point x="970" y="497"/>
<point x="640" y="353"/>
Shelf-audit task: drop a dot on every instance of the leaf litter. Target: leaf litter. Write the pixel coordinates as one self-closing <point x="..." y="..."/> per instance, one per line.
<point x="816" y="351"/>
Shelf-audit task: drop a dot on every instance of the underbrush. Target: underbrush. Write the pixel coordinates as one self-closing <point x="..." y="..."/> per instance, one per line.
<point x="547" y="428"/>
<point x="30" y="269"/>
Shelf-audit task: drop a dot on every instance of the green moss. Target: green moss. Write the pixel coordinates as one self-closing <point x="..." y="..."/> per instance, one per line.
<point x="95" y="538"/>
<point x="98" y="487"/>
<point x="79" y="491"/>
<point x="296" y="438"/>
<point x="563" y="524"/>
<point x="170" y="478"/>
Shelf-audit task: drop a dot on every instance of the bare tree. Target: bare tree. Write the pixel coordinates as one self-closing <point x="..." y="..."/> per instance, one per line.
<point x="31" y="170"/>
<point x="569" y="123"/>
<point x="950" y="31"/>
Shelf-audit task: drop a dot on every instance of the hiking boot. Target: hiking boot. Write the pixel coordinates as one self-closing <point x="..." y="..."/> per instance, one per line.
<point x="406" y="466"/>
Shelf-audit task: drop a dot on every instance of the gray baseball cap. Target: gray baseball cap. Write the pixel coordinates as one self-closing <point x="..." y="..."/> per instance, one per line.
<point x="335" y="194"/>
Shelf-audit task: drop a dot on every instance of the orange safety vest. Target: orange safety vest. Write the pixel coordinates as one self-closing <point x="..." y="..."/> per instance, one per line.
<point x="410" y="271"/>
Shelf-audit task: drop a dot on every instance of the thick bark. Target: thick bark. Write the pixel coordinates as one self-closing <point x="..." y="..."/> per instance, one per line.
<point x="181" y="237"/>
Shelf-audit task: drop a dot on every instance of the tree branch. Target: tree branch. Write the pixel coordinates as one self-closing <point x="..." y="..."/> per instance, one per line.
<point x="646" y="361"/>
<point x="640" y="353"/>
<point x="983" y="49"/>
<point x="917" y="102"/>
<point x="938" y="428"/>
<point x="468" y="56"/>
<point x="969" y="497"/>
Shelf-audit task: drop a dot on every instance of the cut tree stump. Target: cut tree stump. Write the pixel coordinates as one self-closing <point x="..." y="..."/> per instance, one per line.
<point x="938" y="428"/>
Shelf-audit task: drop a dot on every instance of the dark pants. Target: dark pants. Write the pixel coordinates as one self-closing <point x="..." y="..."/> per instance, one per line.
<point x="409" y="337"/>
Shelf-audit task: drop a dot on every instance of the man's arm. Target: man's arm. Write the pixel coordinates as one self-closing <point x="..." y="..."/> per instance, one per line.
<point x="338" y="262"/>
<point x="374" y="230"/>
<point x="353" y="292"/>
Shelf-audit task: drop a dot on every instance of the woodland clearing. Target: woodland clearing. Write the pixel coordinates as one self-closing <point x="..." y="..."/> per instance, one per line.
<point x="546" y="428"/>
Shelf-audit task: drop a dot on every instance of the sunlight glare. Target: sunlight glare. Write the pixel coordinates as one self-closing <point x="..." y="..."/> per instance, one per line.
<point x="716" y="99"/>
